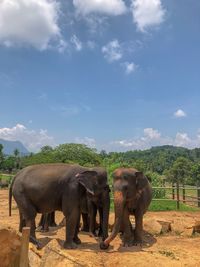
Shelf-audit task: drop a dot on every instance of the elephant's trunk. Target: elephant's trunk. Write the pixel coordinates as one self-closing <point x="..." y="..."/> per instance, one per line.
<point x="119" y="201"/>
<point x="106" y="209"/>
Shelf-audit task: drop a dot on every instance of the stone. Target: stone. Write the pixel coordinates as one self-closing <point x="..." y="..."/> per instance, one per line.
<point x="196" y="227"/>
<point x="54" y="256"/>
<point x="152" y="226"/>
<point x="166" y="226"/>
<point x="10" y="242"/>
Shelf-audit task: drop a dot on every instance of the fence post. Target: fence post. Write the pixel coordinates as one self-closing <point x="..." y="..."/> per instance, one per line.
<point x="198" y="195"/>
<point x="183" y="193"/>
<point x="178" y="197"/>
<point x="173" y="191"/>
<point x="24" y="247"/>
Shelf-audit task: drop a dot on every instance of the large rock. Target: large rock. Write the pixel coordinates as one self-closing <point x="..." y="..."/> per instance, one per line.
<point x="53" y="256"/>
<point x="10" y="243"/>
<point x="196" y="227"/>
<point x="152" y="226"/>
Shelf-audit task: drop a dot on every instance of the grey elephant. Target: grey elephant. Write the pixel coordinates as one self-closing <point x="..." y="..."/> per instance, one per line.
<point x="48" y="187"/>
<point x="132" y="195"/>
<point x="89" y="207"/>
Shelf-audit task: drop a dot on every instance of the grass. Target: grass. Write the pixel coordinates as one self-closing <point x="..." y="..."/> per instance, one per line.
<point x="167" y="205"/>
<point x="164" y="205"/>
<point x="5" y="176"/>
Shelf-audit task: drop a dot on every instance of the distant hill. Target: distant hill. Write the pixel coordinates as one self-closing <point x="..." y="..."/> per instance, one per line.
<point x="10" y="146"/>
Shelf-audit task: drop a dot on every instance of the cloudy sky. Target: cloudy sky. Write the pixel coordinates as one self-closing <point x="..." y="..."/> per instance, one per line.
<point x="115" y="75"/>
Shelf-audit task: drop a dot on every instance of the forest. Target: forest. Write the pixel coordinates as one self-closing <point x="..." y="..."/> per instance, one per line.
<point x="163" y="164"/>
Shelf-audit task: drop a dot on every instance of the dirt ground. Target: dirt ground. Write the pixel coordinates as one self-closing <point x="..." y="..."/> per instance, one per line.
<point x="171" y="248"/>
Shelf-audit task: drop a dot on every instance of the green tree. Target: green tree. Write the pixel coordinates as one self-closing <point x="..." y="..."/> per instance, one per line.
<point x="46" y="149"/>
<point x="1" y="155"/>
<point x="181" y="170"/>
<point x="195" y="173"/>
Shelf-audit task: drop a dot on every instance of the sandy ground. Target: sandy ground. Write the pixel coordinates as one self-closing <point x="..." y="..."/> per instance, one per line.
<point x="168" y="249"/>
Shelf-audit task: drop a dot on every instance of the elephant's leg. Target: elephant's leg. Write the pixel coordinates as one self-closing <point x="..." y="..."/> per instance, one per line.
<point x="52" y="222"/>
<point x="85" y="219"/>
<point x="76" y="239"/>
<point x="128" y="233"/>
<point x="29" y="213"/>
<point x="92" y="212"/>
<point x="138" y="228"/>
<point x="100" y="232"/>
<point x="71" y="227"/>
<point x="22" y="222"/>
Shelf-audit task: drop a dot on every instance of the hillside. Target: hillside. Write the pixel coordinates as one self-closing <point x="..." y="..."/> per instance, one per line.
<point x="10" y="146"/>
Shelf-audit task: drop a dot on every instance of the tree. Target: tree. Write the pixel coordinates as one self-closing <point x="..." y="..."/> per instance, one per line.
<point x="181" y="170"/>
<point x="195" y="173"/>
<point x="17" y="158"/>
<point x="46" y="149"/>
<point x="1" y="155"/>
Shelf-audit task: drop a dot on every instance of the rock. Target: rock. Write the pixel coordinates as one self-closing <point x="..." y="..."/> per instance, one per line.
<point x="53" y="256"/>
<point x="63" y="222"/>
<point x="166" y="226"/>
<point x="10" y="247"/>
<point x="34" y="259"/>
<point x="196" y="227"/>
<point x="152" y="226"/>
<point x="188" y="232"/>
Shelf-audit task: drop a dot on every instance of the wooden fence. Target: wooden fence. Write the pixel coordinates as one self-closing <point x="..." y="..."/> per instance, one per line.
<point x="189" y="195"/>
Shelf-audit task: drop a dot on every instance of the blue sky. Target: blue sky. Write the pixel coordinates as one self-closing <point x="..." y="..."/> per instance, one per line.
<point x="115" y="75"/>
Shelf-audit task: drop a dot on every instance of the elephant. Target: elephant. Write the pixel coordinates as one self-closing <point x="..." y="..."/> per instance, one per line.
<point x="47" y="220"/>
<point x="132" y="196"/>
<point x="89" y="207"/>
<point x="4" y="183"/>
<point x="45" y="188"/>
<point x="102" y="205"/>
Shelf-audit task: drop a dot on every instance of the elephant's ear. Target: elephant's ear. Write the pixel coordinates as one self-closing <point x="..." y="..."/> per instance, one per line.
<point x="86" y="179"/>
<point x="141" y="180"/>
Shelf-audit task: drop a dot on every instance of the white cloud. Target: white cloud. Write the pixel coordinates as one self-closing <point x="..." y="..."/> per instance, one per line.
<point x="30" y="23"/>
<point x="180" y="113"/>
<point x="76" y="42"/>
<point x="151" y="133"/>
<point x="33" y="140"/>
<point x="147" y="13"/>
<point x="152" y="137"/>
<point x="112" y="51"/>
<point x="107" y="7"/>
<point x="182" y="139"/>
<point x="86" y="141"/>
<point x="129" y="67"/>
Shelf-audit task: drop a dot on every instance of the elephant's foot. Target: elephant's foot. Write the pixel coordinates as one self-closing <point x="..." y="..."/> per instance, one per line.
<point x="70" y="245"/>
<point x="103" y="246"/>
<point x="127" y="243"/>
<point x="93" y="234"/>
<point x="77" y="240"/>
<point x="137" y="242"/>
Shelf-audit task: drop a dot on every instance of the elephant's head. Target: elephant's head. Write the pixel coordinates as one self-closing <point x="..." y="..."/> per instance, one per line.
<point x="94" y="181"/>
<point x="128" y="185"/>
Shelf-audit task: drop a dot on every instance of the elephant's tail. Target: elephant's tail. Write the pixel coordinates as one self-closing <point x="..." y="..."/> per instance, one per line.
<point x="10" y="196"/>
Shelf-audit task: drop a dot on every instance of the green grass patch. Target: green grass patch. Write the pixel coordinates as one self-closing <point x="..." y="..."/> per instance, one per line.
<point x="165" y="205"/>
<point x="6" y="177"/>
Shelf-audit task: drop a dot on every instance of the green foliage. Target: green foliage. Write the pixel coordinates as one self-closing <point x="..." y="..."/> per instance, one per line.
<point x="66" y="153"/>
<point x="156" y="181"/>
<point x="181" y="170"/>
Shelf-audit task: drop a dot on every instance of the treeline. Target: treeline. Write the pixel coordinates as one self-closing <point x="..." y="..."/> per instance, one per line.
<point x="162" y="164"/>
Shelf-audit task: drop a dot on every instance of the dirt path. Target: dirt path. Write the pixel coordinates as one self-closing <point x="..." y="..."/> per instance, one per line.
<point x="169" y="249"/>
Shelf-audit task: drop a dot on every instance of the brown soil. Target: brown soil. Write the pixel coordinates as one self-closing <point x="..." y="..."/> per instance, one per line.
<point x="174" y="248"/>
